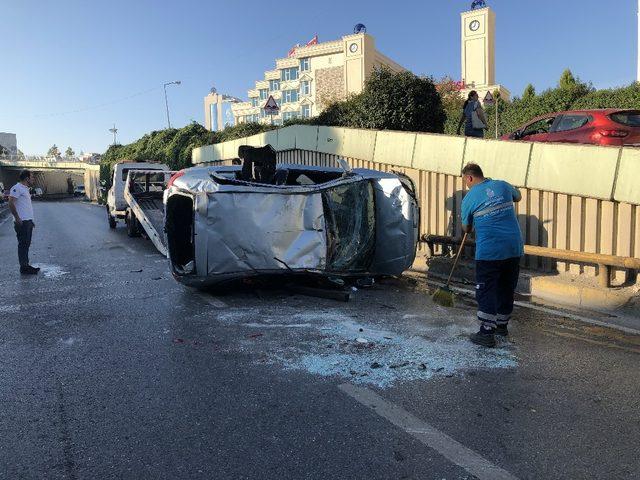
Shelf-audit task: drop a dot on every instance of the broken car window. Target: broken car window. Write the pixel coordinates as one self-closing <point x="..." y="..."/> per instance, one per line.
<point x="350" y="223"/>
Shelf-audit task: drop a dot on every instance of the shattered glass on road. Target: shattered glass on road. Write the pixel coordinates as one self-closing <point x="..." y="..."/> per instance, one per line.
<point x="381" y="351"/>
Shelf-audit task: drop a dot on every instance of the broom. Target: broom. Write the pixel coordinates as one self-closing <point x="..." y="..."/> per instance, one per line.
<point x="444" y="296"/>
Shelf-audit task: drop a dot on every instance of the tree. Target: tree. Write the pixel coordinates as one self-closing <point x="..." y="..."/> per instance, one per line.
<point x="53" y="151"/>
<point x="567" y="80"/>
<point x="401" y="101"/>
<point x="529" y="92"/>
<point x="69" y="152"/>
<point x="390" y="101"/>
<point x="452" y="101"/>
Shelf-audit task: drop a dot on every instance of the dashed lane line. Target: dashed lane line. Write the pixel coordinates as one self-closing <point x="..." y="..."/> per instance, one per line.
<point x="455" y="452"/>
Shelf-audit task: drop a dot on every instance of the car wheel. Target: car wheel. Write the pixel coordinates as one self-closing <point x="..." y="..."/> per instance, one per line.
<point x="132" y="225"/>
<point x="111" y="219"/>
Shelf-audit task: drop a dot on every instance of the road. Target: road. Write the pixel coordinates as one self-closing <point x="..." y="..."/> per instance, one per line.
<point x="111" y="369"/>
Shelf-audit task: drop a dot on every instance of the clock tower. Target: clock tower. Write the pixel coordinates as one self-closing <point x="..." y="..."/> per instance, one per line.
<point x="478" y="28"/>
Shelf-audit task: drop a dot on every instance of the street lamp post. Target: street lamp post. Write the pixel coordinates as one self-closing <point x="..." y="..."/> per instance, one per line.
<point x="166" y="102"/>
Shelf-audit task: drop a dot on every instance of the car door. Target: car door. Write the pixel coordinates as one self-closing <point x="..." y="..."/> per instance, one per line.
<point x="538" y="130"/>
<point x="572" y="128"/>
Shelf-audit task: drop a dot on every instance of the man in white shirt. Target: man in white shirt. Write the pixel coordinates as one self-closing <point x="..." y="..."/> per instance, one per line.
<point x="22" y="211"/>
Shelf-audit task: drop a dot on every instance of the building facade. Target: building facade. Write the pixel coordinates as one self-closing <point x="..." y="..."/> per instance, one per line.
<point x="311" y="78"/>
<point x="8" y="144"/>
<point x="218" y="112"/>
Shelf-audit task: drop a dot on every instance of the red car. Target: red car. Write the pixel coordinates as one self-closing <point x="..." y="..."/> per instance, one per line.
<point x="610" y="126"/>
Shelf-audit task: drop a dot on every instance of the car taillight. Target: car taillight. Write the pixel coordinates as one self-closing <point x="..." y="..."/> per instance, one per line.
<point x="614" y="133"/>
<point x="174" y="177"/>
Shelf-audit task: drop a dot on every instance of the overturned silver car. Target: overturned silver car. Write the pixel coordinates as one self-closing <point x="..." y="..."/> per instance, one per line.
<point x="233" y="222"/>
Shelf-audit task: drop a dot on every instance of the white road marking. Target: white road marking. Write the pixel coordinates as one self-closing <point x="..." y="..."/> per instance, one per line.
<point x="211" y="300"/>
<point x="5" y="220"/>
<point x="442" y="443"/>
<point x="552" y="311"/>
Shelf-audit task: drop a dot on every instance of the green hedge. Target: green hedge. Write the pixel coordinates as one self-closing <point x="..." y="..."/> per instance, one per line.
<point x="172" y="146"/>
<point x="570" y="94"/>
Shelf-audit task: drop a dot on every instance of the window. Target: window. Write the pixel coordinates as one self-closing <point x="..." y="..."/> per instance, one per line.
<point x="305" y="111"/>
<point x="631" y="118"/>
<point x="274" y="85"/>
<point x="289" y="96"/>
<point x="304" y="64"/>
<point x="264" y="93"/>
<point x="254" y="101"/>
<point x="254" y="118"/>
<point x="350" y="218"/>
<point x="539" y="126"/>
<point x="305" y="88"/>
<point x="263" y="114"/>
<point x="289" y="74"/>
<point x="289" y="115"/>
<point x="571" y="122"/>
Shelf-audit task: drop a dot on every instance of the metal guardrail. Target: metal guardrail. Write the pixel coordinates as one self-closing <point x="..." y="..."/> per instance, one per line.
<point x="604" y="262"/>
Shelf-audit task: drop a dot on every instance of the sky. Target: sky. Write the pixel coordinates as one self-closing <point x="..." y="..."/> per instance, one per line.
<point x="73" y="69"/>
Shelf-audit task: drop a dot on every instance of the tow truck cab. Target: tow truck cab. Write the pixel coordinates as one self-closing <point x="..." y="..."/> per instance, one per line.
<point x="116" y="203"/>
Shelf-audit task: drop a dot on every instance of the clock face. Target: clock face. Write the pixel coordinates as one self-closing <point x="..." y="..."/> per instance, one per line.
<point x="475" y="25"/>
<point x="353" y="48"/>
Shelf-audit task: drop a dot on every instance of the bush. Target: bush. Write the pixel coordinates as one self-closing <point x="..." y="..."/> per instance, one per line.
<point x="389" y="101"/>
<point x="570" y="94"/>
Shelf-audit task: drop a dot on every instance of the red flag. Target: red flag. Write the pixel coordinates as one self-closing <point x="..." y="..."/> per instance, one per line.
<point x="313" y="41"/>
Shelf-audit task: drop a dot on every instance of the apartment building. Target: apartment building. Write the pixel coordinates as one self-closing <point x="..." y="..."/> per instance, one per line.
<point x="312" y="77"/>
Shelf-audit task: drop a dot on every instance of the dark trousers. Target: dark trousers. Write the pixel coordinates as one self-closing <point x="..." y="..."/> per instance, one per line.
<point x="474" y="132"/>
<point x="23" y="232"/>
<point x="496" y="282"/>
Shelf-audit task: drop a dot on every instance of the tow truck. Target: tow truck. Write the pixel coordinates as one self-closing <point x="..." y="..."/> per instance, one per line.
<point x="136" y="197"/>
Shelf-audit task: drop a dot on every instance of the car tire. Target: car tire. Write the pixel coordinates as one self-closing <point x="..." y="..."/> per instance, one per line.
<point x="132" y="225"/>
<point x="111" y="219"/>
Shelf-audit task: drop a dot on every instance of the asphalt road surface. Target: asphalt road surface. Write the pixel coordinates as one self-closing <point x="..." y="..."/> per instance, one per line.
<point x="111" y="369"/>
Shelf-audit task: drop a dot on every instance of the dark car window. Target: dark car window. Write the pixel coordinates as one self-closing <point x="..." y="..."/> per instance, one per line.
<point x="631" y="119"/>
<point x="571" y="122"/>
<point x="539" y="126"/>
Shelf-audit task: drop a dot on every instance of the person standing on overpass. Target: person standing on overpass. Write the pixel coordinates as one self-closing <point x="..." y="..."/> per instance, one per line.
<point x="488" y="207"/>
<point x="22" y="211"/>
<point x="470" y="108"/>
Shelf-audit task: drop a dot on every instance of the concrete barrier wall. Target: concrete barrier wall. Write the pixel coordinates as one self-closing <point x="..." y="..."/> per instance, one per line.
<point x="581" y="198"/>
<point x="604" y="173"/>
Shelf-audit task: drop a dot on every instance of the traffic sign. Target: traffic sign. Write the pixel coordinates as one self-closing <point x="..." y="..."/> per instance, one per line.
<point x="271" y="107"/>
<point x="488" y="99"/>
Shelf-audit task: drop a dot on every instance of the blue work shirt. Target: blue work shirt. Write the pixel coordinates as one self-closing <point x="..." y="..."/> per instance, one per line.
<point x="488" y="206"/>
